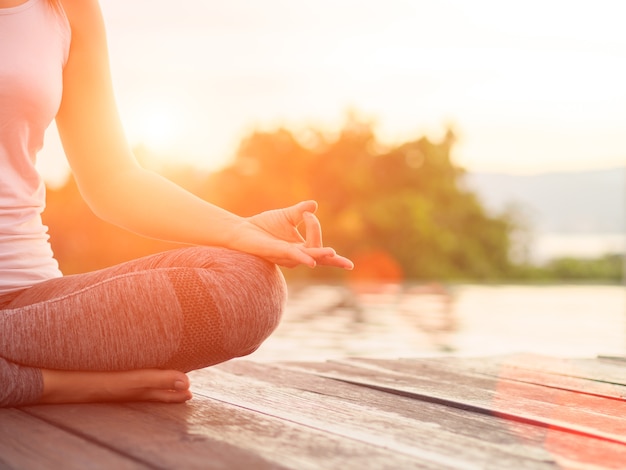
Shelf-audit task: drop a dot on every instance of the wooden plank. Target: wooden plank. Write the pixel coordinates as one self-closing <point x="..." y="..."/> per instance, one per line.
<point x="348" y="411"/>
<point x="619" y="359"/>
<point x="610" y="372"/>
<point x="610" y="411"/>
<point x="350" y="414"/>
<point x="531" y="370"/>
<point x="208" y="434"/>
<point x="30" y="443"/>
<point x="596" y="369"/>
<point x="530" y="441"/>
<point x="559" y="416"/>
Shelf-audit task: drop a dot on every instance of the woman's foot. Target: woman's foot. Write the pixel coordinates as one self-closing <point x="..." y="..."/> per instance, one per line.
<point x="167" y="386"/>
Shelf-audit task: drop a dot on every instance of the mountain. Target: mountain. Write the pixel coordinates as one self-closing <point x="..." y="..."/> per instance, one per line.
<point x="569" y="202"/>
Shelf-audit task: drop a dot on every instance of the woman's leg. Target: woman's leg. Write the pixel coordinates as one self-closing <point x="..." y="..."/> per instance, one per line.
<point x="182" y="310"/>
<point x="18" y="384"/>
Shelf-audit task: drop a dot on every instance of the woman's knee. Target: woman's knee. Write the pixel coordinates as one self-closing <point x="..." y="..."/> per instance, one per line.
<point x="230" y="305"/>
<point x="254" y="300"/>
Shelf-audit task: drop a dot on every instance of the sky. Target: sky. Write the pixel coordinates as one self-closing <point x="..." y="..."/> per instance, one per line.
<point x="528" y="86"/>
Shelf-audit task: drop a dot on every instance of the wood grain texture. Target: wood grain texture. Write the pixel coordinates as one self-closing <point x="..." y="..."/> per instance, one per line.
<point x="521" y="412"/>
<point x="27" y="442"/>
<point x="544" y="371"/>
<point x="572" y="426"/>
<point x="322" y="404"/>
<point x="210" y="434"/>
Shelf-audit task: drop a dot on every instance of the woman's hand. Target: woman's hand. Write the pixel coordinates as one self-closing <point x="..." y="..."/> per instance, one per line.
<point x="274" y="235"/>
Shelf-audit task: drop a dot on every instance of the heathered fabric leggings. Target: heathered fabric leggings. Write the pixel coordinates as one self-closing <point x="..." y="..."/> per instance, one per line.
<point x="184" y="309"/>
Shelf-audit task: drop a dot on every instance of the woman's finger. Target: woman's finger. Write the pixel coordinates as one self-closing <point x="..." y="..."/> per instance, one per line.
<point x="296" y="212"/>
<point x="313" y="231"/>
<point x="327" y="256"/>
<point x="319" y="253"/>
<point x="336" y="261"/>
<point x="293" y="256"/>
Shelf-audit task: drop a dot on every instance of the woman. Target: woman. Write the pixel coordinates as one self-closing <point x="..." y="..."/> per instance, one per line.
<point x="131" y="331"/>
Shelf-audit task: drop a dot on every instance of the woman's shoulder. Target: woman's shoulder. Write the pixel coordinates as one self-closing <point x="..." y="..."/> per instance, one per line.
<point x="83" y="15"/>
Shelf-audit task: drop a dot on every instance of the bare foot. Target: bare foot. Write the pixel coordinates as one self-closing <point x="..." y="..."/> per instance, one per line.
<point x="168" y="386"/>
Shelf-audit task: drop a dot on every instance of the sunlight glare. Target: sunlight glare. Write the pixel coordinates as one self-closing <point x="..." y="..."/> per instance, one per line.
<point x="157" y="126"/>
<point x="159" y="129"/>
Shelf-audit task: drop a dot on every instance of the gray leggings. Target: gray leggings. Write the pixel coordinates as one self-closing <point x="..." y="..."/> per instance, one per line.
<point x="184" y="309"/>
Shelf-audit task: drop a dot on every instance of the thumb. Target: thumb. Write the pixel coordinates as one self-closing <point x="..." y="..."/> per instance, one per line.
<point x="295" y="213"/>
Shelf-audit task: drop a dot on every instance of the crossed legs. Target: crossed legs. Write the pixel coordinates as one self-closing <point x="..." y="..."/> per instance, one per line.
<point x="130" y="331"/>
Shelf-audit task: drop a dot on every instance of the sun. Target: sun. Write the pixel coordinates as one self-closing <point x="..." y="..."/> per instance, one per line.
<point x="156" y="124"/>
<point x="158" y="128"/>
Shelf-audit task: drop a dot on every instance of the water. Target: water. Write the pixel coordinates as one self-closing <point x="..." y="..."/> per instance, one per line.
<point x="325" y="322"/>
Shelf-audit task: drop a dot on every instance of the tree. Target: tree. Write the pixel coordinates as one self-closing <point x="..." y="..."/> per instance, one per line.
<point x="407" y="201"/>
<point x="401" y="210"/>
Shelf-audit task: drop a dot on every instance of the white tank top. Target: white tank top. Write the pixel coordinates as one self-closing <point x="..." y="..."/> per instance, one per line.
<point x="34" y="46"/>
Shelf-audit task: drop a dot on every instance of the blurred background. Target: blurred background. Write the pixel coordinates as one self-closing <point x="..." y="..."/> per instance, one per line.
<point x="469" y="156"/>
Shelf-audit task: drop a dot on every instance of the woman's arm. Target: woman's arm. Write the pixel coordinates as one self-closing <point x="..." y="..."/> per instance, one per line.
<point x="118" y="190"/>
<point x="113" y="184"/>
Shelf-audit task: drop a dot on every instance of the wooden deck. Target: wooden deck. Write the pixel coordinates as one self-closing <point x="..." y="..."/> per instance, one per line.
<point x="512" y="412"/>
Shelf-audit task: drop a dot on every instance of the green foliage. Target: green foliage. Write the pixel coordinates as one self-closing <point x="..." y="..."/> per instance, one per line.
<point x="606" y="268"/>
<point x="403" y="210"/>
<point x="407" y="201"/>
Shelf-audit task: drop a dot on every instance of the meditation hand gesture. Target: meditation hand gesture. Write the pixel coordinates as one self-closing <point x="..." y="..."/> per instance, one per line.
<point x="274" y="235"/>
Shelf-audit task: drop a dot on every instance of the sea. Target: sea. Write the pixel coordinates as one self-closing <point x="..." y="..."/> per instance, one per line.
<point x="323" y="322"/>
